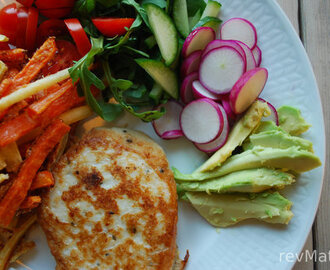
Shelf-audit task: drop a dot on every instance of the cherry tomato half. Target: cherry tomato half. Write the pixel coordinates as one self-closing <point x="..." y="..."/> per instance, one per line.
<point x="111" y="27"/>
<point x="50" y="4"/>
<point x="64" y="57"/>
<point x="51" y="27"/>
<point x="31" y="28"/>
<point x="22" y="18"/>
<point x="26" y="3"/>
<point x="8" y="21"/>
<point x="55" y="13"/>
<point x="79" y="35"/>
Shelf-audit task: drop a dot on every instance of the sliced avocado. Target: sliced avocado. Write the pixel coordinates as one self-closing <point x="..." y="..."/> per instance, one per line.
<point x="291" y="158"/>
<point x="223" y="210"/>
<point x="238" y="134"/>
<point x="267" y="126"/>
<point x="277" y="139"/>
<point x="253" y="180"/>
<point x="291" y="121"/>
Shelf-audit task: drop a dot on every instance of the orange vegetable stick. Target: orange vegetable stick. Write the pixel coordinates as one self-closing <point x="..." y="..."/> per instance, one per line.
<point x="22" y="183"/>
<point x="41" y="105"/>
<point x="30" y="202"/>
<point x="14" y="56"/>
<point x="42" y="180"/>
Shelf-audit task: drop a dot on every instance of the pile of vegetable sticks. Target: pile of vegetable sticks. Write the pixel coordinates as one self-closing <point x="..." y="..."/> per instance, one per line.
<point x="35" y="117"/>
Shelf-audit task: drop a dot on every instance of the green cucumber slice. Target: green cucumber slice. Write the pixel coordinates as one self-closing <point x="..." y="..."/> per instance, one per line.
<point x="212" y="9"/>
<point x="180" y="17"/>
<point x="164" y="31"/>
<point x="162" y="74"/>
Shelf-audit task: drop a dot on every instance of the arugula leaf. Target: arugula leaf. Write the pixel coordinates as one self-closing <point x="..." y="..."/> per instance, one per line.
<point x="87" y="78"/>
<point x="195" y="18"/>
<point x="194" y="5"/>
<point x="141" y="11"/>
<point x="118" y="87"/>
<point x="208" y="21"/>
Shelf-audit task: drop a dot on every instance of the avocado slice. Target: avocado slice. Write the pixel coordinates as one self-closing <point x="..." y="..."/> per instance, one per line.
<point x="292" y="158"/>
<point x="238" y="134"/>
<point x="223" y="210"/>
<point x="252" y="180"/>
<point x="277" y="139"/>
<point x="267" y="126"/>
<point x="291" y="121"/>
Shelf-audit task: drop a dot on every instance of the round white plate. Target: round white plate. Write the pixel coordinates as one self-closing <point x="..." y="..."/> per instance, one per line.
<point x="250" y="245"/>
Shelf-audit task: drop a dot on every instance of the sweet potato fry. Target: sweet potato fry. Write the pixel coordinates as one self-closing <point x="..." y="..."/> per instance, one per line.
<point x="42" y="180"/>
<point x="22" y="183"/>
<point x="15" y="56"/>
<point x="40" y="106"/>
<point x="8" y="249"/>
<point x="7" y="81"/>
<point x="30" y="202"/>
<point x="11" y="156"/>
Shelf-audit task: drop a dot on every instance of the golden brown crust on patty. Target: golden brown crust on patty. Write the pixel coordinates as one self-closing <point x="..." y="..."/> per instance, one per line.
<point x="114" y="204"/>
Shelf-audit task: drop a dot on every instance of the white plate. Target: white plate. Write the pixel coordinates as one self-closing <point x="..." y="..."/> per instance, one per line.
<point x="250" y="245"/>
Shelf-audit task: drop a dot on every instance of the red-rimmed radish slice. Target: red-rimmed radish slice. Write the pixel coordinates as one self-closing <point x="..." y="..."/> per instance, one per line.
<point x="239" y="29"/>
<point x="227" y="108"/>
<point x="274" y="115"/>
<point x="191" y="63"/>
<point x="220" y="69"/>
<point x="220" y="140"/>
<point x="186" y="91"/>
<point x="257" y="55"/>
<point x="200" y="91"/>
<point x="247" y="89"/>
<point x="197" y="40"/>
<point x="168" y="126"/>
<point x="201" y="121"/>
<point x="218" y="43"/>
<point x="250" y="61"/>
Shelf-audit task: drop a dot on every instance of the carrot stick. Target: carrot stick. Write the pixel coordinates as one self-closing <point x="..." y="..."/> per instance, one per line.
<point x="40" y="106"/>
<point x="22" y="183"/>
<point x="30" y="202"/>
<point x="42" y="180"/>
<point x="14" y="56"/>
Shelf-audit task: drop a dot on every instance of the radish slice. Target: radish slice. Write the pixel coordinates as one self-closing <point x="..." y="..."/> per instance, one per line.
<point x="197" y="40"/>
<point x="257" y="55"/>
<point x="186" y="91"/>
<point x="247" y="89"/>
<point x="191" y="63"/>
<point x="220" y="43"/>
<point x="274" y="115"/>
<point x="220" y="69"/>
<point x="228" y="110"/>
<point x="250" y="61"/>
<point x="200" y="91"/>
<point x="220" y="140"/>
<point x="201" y="121"/>
<point x="239" y="29"/>
<point x="168" y="126"/>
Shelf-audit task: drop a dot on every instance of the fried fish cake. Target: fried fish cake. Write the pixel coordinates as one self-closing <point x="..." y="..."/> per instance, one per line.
<point x="113" y="206"/>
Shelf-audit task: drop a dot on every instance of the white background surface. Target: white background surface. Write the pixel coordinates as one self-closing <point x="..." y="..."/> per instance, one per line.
<point x="250" y="245"/>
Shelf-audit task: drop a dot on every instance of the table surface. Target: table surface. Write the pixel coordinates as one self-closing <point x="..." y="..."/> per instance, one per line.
<point x="311" y="20"/>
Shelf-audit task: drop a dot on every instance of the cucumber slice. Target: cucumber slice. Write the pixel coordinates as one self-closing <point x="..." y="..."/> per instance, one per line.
<point x="164" y="31"/>
<point x="212" y="9"/>
<point x="180" y="17"/>
<point x="161" y="74"/>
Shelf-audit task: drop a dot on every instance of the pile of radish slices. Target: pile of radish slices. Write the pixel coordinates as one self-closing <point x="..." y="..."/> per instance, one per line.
<point x="221" y="78"/>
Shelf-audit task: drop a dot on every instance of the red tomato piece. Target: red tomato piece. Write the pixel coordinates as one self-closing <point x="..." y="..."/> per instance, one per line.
<point x="22" y="18"/>
<point x="31" y="28"/>
<point x="26" y="3"/>
<point x="56" y="13"/>
<point x="111" y="27"/>
<point x="8" y="22"/>
<point x="79" y="35"/>
<point x="51" y="27"/>
<point x="50" y="4"/>
<point x="64" y="57"/>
